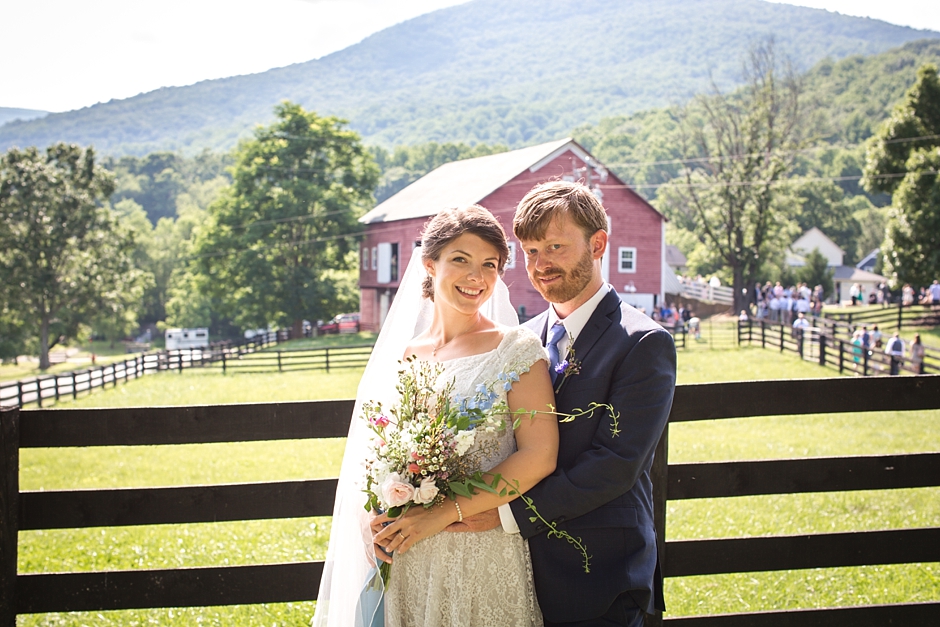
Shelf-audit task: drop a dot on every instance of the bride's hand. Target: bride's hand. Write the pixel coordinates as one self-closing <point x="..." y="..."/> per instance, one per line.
<point x="377" y="524"/>
<point x="415" y="525"/>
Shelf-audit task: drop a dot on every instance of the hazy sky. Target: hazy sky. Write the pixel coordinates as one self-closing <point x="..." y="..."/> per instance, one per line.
<point x="66" y="54"/>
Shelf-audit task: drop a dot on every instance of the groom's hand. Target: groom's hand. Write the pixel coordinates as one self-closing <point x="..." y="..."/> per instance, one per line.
<point x="484" y="521"/>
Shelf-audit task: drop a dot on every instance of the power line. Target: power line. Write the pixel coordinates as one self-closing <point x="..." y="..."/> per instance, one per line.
<point x="759" y="154"/>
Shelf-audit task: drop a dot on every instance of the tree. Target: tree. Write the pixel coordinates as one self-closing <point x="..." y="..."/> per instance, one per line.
<point x="912" y="241"/>
<point x="816" y="272"/>
<point x="737" y="148"/>
<point x="62" y="254"/>
<point x="272" y="242"/>
<point x="903" y="159"/>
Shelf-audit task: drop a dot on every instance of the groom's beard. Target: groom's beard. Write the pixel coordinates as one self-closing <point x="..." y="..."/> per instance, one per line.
<point x="572" y="283"/>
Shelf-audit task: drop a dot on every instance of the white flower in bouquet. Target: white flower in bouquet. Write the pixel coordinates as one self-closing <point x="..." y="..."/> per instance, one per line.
<point x="396" y="491"/>
<point x="464" y="440"/>
<point x="426" y="492"/>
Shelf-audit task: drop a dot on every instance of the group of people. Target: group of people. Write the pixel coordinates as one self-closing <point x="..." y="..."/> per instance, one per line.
<point x="908" y="296"/>
<point x="894" y="347"/>
<point x="485" y="560"/>
<point x="782" y="305"/>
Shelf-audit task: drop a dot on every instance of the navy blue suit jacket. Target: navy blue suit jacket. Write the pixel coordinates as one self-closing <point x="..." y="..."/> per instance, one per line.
<point x="601" y="489"/>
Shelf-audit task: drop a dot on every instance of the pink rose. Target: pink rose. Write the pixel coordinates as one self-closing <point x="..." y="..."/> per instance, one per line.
<point x="395" y="491"/>
<point x="426" y="491"/>
<point x="414" y="468"/>
<point x="382" y="421"/>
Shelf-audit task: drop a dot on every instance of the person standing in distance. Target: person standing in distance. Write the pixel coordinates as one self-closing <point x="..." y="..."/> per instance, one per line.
<point x="601" y="490"/>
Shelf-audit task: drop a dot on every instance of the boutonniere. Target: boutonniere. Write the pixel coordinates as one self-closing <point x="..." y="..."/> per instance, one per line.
<point x="567" y="367"/>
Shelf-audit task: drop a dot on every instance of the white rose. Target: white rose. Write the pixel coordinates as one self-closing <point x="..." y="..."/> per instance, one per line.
<point x="426" y="491"/>
<point x="464" y="440"/>
<point x="396" y="491"/>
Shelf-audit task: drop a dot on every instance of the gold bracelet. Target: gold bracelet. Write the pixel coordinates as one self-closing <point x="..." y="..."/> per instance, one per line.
<point x="459" y="513"/>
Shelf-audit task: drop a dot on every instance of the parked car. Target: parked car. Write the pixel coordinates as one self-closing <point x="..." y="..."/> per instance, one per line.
<point x="343" y="323"/>
<point x="349" y="323"/>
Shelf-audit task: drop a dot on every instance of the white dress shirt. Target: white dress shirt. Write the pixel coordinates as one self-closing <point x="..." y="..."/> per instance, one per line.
<point x="574" y="324"/>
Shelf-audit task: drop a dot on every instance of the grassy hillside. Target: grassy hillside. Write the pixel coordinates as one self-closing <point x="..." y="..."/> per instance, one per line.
<point x="486" y="71"/>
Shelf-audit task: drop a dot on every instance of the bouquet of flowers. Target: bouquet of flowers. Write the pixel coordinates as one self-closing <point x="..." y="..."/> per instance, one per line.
<point x="421" y="451"/>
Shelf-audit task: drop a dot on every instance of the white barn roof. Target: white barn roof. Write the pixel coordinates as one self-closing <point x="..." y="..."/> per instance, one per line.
<point x="462" y="183"/>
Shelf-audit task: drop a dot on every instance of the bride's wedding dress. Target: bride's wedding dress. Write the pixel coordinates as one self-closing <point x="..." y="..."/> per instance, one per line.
<point x="471" y="579"/>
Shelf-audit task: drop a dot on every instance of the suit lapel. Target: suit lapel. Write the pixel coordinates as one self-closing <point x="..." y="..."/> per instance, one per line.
<point x="596" y="325"/>
<point x="539" y="325"/>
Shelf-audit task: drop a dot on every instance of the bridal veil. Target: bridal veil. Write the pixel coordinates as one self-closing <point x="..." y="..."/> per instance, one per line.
<point x="349" y="559"/>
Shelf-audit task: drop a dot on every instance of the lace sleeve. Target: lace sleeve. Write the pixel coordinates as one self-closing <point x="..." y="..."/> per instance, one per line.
<point x="523" y="348"/>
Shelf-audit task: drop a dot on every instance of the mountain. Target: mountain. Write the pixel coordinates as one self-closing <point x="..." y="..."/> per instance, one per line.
<point x="8" y="114"/>
<point x="488" y="71"/>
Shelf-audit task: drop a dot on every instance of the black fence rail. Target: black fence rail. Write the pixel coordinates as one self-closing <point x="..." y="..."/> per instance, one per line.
<point x="327" y="358"/>
<point x="246" y="356"/>
<point x="816" y="344"/>
<point x="895" y="316"/>
<point x="275" y="583"/>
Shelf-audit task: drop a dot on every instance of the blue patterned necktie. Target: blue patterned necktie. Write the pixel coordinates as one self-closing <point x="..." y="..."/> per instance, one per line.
<point x="554" y="336"/>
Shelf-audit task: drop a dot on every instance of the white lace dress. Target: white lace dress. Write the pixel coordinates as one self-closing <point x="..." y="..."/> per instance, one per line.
<point x="471" y="579"/>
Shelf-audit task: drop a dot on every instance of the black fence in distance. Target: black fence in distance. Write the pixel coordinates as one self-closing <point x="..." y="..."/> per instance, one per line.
<point x="246" y="356"/>
<point x="821" y="345"/>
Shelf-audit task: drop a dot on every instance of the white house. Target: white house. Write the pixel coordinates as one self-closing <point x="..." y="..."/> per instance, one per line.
<point x="808" y="242"/>
<point x="843" y="276"/>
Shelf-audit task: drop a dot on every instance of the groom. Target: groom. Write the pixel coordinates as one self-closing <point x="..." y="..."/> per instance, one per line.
<point x="601" y="490"/>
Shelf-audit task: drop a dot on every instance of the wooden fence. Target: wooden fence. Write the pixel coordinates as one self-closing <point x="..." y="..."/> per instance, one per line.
<point x="189" y="587"/>
<point x="246" y="356"/>
<point x="826" y="347"/>
<point x="889" y="316"/>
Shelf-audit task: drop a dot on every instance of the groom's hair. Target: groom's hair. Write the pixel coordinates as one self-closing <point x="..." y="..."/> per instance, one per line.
<point x="450" y="224"/>
<point x="547" y="200"/>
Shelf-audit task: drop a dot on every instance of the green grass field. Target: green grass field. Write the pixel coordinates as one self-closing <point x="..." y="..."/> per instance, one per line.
<point x="304" y="539"/>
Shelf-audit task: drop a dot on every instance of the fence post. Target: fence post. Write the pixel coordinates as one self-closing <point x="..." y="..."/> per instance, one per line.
<point x="327" y="352"/>
<point x="865" y="361"/>
<point x="19" y="393"/>
<point x="799" y="343"/>
<point x="9" y="511"/>
<point x="74" y="387"/>
<point x="279" y="361"/>
<point x="782" y="337"/>
<point x="900" y="315"/>
<point x="841" y="355"/>
<point x="179" y="356"/>
<point x="822" y="349"/>
<point x="56" y="381"/>
<point x="39" y="391"/>
<point x="659" y="475"/>
<point x="223" y="360"/>
<point x="763" y="337"/>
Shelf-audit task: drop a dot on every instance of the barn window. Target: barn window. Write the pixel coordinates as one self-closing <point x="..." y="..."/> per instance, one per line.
<point x="375" y="258"/>
<point x="511" y="261"/>
<point x="388" y="262"/>
<point x="365" y="257"/>
<point x="627" y="257"/>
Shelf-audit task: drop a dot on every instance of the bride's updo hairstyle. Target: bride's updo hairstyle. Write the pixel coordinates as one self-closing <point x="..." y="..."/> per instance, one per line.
<point x="450" y="224"/>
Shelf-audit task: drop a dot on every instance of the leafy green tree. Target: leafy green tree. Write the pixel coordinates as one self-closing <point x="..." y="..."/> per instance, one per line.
<point x="912" y="241"/>
<point x="270" y="244"/>
<point x="816" y="272"/>
<point x="63" y="254"/>
<point x="737" y="148"/>
<point x="903" y="160"/>
<point x="823" y="204"/>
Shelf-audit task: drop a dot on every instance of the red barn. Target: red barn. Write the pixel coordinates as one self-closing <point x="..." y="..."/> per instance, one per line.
<point x="635" y="259"/>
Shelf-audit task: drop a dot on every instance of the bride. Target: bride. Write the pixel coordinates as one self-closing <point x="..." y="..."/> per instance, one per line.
<point x="452" y="309"/>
